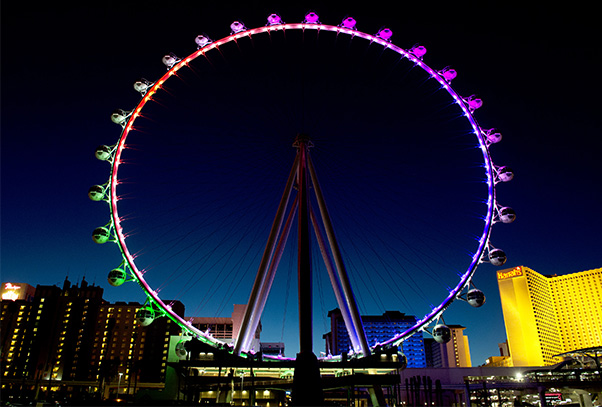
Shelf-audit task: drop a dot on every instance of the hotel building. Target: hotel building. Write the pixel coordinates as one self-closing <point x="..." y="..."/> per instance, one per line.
<point x="549" y="315"/>
<point x="455" y="353"/>
<point x="69" y="340"/>
<point x="378" y="328"/>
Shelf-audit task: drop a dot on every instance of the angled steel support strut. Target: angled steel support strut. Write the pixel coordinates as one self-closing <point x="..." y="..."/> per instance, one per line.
<point x="252" y="316"/>
<point x="357" y="327"/>
<point x="265" y="289"/>
<point x="334" y="280"/>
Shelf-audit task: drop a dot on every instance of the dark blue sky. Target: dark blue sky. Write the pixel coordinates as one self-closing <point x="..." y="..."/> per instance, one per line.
<point x="65" y="69"/>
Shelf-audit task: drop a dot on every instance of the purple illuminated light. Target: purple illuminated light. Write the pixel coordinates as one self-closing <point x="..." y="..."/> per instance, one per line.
<point x="237" y="27"/>
<point x="493" y="135"/>
<point x="385" y="34"/>
<point x="349" y="22"/>
<point x="418" y="50"/>
<point x="202" y="40"/>
<point x="311" y="18"/>
<point x="473" y="103"/>
<point x="274" y="19"/>
<point x="448" y="74"/>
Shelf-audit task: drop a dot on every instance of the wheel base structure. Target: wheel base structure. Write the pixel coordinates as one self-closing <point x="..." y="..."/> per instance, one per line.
<point x="307" y="383"/>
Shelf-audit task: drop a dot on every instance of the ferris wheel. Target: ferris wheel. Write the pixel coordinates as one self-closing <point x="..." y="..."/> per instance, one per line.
<point x="303" y="120"/>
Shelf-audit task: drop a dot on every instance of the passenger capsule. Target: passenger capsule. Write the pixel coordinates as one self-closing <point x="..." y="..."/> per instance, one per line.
<point x="170" y="60"/>
<point x="119" y="116"/>
<point x="202" y="40"/>
<point x="448" y="74"/>
<point x="274" y="19"/>
<point x="475" y="297"/>
<point x="385" y="34"/>
<point x="401" y="358"/>
<point x="418" y="50"/>
<point x="145" y="316"/>
<point x="505" y="174"/>
<point x="349" y="23"/>
<point x="103" y="153"/>
<point x="473" y="103"/>
<point x="507" y="214"/>
<point x="142" y="85"/>
<point x="497" y="257"/>
<point x="493" y="136"/>
<point x="312" y="18"/>
<point x="101" y="235"/>
<point x="96" y="193"/>
<point x="237" y="27"/>
<point x="441" y="333"/>
<point x="117" y="277"/>
<point x="180" y="350"/>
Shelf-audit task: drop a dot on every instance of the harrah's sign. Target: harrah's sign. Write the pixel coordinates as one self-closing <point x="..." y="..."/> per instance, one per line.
<point x="509" y="274"/>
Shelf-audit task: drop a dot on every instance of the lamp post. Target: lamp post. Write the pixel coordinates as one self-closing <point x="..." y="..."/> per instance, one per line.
<point x="119" y="383"/>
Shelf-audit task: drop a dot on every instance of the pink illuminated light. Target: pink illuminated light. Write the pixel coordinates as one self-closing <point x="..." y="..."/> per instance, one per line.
<point x="349" y="23"/>
<point x="274" y="19"/>
<point x="419" y="51"/>
<point x="385" y="34"/>
<point x="312" y="18"/>
<point x="449" y="74"/>
<point x="237" y="27"/>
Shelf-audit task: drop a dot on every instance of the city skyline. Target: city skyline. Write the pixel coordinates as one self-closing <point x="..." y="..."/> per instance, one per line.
<point x="70" y="83"/>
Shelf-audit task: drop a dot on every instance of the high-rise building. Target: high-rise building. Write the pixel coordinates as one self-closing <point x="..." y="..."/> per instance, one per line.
<point x="123" y="347"/>
<point x="549" y="315"/>
<point x="455" y="353"/>
<point x="378" y="328"/>
<point x="71" y="340"/>
<point x="45" y="338"/>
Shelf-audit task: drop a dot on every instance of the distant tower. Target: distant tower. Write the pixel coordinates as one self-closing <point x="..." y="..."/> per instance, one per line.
<point x="504" y="350"/>
<point x="455" y="353"/>
<point x="66" y="283"/>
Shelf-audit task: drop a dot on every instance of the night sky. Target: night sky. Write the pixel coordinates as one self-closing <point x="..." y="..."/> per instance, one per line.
<point x="66" y="68"/>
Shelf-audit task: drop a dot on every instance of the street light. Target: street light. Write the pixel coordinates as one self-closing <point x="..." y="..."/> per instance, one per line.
<point x="119" y="384"/>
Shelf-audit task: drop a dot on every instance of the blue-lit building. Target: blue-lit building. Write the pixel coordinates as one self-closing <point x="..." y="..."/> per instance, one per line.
<point x="378" y="328"/>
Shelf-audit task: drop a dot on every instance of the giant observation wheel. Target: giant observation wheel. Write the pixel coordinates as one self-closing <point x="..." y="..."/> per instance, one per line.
<point x="159" y="101"/>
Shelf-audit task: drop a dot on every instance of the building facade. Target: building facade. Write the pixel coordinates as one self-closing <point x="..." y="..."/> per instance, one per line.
<point x="48" y="339"/>
<point x="548" y="315"/>
<point x="226" y="328"/>
<point x="69" y="342"/>
<point x="378" y="328"/>
<point x="125" y="350"/>
<point x="455" y="353"/>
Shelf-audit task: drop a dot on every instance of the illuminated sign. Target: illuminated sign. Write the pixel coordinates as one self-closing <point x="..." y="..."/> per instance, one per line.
<point x="551" y="397"/>
<point x="11" y="292"/>
<point x="10" y="295"/>
<point x="16" y="291"/>
<point x="515" y="272"/>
